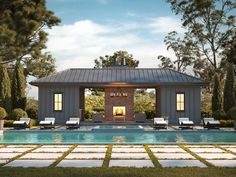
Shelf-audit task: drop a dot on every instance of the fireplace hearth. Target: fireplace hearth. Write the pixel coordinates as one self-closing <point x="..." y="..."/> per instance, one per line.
<point x="119" y="111"/>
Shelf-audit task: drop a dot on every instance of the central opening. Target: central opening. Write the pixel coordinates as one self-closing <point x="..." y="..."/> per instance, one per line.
<point x="119" y="111"/>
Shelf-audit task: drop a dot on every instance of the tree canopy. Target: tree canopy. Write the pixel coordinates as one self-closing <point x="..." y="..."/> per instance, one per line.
<point x="119" y="57"/>
<point x="23" y="35"/>
<point x="209" y="23"/>
<point x="182" y="48"/>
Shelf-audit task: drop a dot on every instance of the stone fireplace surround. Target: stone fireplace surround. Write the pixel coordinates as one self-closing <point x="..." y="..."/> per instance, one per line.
<point x="119" y="96"/>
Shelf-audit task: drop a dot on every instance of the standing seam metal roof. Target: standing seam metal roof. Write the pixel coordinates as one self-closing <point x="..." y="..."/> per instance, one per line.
<point x="119" y="74"/>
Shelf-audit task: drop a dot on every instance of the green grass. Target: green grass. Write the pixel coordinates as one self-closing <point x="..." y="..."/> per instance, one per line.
<point x="117" y="172"/>
<point x="152" y="156"/>
<point x="107" y="157"/>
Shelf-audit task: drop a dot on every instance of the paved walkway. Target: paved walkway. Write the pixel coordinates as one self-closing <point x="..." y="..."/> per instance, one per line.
<point x="154" y="156"/>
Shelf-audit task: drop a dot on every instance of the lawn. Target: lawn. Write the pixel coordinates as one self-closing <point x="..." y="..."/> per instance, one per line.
<point x="117" y="172"/>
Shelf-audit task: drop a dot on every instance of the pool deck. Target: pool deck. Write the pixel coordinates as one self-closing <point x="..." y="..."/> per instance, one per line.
<point x="97" y="155"/>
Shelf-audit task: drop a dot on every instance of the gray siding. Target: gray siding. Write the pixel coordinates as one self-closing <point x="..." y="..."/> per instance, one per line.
<point x="192" y="103"/>
<point x="70" y="102"/>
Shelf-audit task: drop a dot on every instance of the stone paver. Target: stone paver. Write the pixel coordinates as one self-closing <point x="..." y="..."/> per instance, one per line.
<point x="2" y="161"/>
<point x="200" y="146"/>
<point x="92" y="146"/>
<point x="56" y="146"/>
<point x="232" y="149"/>
<point x="41" y="156"/>
<point x="181" y="163"/>
<point x="29" y="163"/>
<point x="22" y="146"/>
<point x="216" y="155"/>
<point x="131" y="163"/>
<point x="6" y="149"/>
<point x="128" y="149"/>
<point x="90" y="150"/>
<point x="80" y="163"/>
<point x="228" y="146"/>
<point x="129" y="156"/>
<point x="223" y="163"/>
<point x="206" y="150"/>
<point x="8" y="155"/>
<point x="167" y="149"/>
<point x="127" y="146"/>
<point x="86" y="156"/>
<point x="174" y="156"/>
<point x="51" y="149"/>
<point x="164" y="146"/>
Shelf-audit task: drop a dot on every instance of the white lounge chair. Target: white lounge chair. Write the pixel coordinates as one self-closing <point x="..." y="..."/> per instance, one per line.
<point x="184" y="122"/>
<point x="48" y="122"/>
<point x="22" y="123"/>
<point x="160" y="122"/>
<point x="73" y="122"/>
<point x="210" y="122"/>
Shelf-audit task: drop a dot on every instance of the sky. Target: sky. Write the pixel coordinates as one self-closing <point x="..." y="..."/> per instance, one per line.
<point x="93" y="28"/>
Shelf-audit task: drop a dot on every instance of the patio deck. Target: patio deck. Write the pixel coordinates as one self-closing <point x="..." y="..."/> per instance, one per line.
<point x="153" y="156"/>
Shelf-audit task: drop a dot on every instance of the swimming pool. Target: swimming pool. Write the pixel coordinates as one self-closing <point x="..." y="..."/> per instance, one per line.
<point x="116" y="137"/>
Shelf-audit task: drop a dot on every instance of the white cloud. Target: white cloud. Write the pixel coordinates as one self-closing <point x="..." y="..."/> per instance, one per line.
<point x="165" y="25"/>
<point x="77" y="45"/>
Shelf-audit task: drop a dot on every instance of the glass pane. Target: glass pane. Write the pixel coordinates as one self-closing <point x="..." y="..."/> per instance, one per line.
<point x="59" y="106"/>
<point x="56" y="106"/>
<point x="59" y="97"/>
<point x="182" y="106"/>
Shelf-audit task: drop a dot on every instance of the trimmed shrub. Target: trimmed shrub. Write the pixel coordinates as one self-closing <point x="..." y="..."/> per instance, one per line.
<point x="18" y="113"/>
<point x="32" y="113"/>
<point x="8" y="123"/>
<point x="3" y="113"/>
<point x="232" y="113"/>
<point x="219" y="115"/>
<point x="33" y="122"/>
<point x="150" y="114"/>
<point x="226" y="123"/>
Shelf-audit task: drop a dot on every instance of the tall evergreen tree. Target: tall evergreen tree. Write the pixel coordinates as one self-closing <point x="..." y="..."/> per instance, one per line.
<point x="216" y="97"/>
<point x="229" y="100"/>
<point x="18" y="87"/>
<point x="5" y="89"/>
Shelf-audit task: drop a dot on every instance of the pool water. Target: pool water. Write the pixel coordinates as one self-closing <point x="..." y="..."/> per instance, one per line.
<point x="131" y="137"/>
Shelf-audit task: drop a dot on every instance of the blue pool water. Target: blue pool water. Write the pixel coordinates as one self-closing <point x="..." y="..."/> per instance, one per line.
<point x="129" y="136"/>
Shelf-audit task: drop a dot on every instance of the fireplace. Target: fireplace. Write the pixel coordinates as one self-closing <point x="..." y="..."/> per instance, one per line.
<point x="119" y="111"/>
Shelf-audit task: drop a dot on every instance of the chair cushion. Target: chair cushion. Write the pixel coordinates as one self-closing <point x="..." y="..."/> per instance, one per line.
<point x="19" y="122"/>
<point x="46" y="122"/>
<point x="71" y="122"/>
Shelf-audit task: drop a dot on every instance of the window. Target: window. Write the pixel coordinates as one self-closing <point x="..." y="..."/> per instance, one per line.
<point x="179" y="101"/>
<point x="57" y="101"/>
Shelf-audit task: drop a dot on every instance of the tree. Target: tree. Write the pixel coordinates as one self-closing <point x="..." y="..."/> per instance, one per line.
<point x="18" y="87"/>
<point x="5" y="89"/>
<point x="118" y="58"/>
<point x="182" y="49"/>
<point x="210" y="23"/>
<point x="216" y="97"/>
<point x="229" y="99"/>
<point x="23" y="36"/>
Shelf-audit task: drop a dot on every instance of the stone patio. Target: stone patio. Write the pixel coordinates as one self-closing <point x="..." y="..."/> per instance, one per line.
<point x="121" y="156"/>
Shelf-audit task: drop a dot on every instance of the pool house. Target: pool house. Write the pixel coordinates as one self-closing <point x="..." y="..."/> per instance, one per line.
<point x="62" y="95"/>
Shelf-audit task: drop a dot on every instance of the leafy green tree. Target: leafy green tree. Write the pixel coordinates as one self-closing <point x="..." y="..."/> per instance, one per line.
<point x="18" y="87"/>
<point x="229" y="97"/>
<point x="216" y="97"/>
<point x="5" y="88"/>
<point x="210" y="24"/>
<point x="182" y="49"/>
<point x="118" y="58"/>
<point x="23" y="37"/>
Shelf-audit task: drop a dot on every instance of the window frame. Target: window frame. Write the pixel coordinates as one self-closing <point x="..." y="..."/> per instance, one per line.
<point x="182" y="93"/>
<point x="54" y="102"/>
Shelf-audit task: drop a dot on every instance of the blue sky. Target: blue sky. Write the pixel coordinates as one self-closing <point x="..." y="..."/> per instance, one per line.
<point x="93" y="28"/>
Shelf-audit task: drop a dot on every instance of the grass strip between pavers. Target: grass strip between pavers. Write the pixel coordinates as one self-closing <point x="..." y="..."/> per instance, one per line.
<point x="196" y="156"/>
<point x="152" y="157"/>
<point x="63" y="156"/>
<point x="107" y="159"/>
<point x="22" y="154"/>
<point x="224" y="149"/>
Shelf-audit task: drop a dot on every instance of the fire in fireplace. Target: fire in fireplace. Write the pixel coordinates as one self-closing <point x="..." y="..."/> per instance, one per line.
<point x="119" y="111"/>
